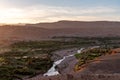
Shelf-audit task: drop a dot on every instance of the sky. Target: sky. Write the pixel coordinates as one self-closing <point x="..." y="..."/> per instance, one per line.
<point x="35" y="11"/>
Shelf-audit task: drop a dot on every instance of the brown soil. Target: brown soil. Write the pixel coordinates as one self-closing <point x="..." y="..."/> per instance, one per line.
<point x="44" y="31"/>
<point x="65" y="67"/>
<point x="61" y="28"/>
<point x="108" y="64"/>
<point x="104" y="68"/>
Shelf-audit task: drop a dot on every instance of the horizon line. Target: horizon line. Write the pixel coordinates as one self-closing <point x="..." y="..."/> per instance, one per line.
<point x="4" y="24"/>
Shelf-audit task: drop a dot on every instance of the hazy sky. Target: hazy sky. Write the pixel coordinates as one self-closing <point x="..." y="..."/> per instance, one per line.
<point x="34" y="11"/>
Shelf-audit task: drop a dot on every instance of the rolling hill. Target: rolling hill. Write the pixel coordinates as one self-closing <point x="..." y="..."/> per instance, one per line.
<point x="61" y="28"/>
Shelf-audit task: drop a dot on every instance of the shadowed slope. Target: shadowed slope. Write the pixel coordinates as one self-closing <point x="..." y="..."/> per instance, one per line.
<point x="61" y="28"/>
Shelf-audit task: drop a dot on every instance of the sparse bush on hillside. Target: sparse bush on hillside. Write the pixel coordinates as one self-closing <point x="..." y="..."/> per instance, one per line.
<point x="34" y="57"/>
<point x="89" y="55"/>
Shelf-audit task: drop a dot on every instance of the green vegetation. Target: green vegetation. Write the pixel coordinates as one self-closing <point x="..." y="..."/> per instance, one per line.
<point x="27" y="59"/>
<point x="110" y="42"/>
<point x="105" y="43"/>
<point x="90" y="54"/>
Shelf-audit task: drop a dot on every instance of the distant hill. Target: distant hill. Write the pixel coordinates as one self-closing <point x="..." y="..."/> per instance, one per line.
<point x="61" y="28"/>
<point x="77" y="24"/>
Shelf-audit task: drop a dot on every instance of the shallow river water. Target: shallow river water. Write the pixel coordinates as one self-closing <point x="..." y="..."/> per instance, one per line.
<point x="53" y="71"/>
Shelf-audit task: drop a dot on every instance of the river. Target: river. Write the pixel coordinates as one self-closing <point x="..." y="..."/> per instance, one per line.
<point x="53" y="71"/>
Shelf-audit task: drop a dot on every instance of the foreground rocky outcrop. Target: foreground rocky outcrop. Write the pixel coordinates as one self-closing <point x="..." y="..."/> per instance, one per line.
<point x="103" y="68"/>
<point x="82" y="77"/>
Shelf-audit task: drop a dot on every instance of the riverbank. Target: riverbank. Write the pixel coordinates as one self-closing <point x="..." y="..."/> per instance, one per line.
<point x="64" y="61"/>
<point x="33" y="58"/>
<point x="104" y="68"/>
<point x="108" y="64"/>
<point x="66" y="66"/>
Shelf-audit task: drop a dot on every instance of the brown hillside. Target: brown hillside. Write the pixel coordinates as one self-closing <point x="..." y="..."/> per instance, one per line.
<point x="61" y="28"/>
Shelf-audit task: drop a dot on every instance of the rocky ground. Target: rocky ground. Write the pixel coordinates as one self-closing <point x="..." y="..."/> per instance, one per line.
<point x="66" y="67"/>
<point x="102" y="68"/>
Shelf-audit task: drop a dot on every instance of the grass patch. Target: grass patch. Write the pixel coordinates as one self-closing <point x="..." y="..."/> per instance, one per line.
<point x="89" y="55"/>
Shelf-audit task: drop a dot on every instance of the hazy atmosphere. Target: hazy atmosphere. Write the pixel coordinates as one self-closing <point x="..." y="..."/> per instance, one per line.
<point x="34" y="11"/>
<point x="59" y="39"/>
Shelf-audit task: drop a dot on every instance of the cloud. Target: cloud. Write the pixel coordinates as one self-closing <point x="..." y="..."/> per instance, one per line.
<point x="35" y="14"/>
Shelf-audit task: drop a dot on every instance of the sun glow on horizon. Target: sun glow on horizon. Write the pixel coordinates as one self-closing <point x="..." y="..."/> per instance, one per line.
<point x="13" y="14"/>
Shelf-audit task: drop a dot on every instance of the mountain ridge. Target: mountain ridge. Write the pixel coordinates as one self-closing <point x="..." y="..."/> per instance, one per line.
<point x="43" y="31"/>
<point x="69" y="24"/>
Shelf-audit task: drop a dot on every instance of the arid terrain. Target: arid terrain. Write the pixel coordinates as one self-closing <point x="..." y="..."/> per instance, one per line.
<point x="103" y="68"/>
<point x="61" y="28"/>
<point x="35" y="47"/>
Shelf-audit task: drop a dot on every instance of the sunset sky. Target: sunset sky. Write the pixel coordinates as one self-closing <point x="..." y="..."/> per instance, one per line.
<point x="34" y="11"/>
